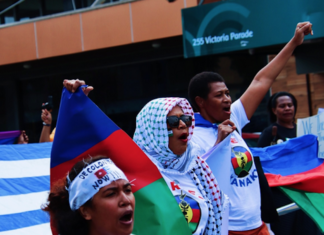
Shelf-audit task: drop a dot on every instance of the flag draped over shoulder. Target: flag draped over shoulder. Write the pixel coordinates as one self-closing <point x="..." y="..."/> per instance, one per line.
<point x="8" y="137"/>
<point x="295" y="164"/>
<point x="83" y="130"/>
<point x="24" y="187"/>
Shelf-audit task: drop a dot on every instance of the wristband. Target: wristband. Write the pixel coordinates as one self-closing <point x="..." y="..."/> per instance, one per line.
<point x="45" y="124"/>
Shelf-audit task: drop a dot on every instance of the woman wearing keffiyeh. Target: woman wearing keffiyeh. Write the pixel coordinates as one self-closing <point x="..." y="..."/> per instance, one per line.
<point x="163" y="131"/>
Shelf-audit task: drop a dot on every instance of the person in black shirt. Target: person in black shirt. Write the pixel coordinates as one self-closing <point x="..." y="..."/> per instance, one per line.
<point x="282" y="108"/>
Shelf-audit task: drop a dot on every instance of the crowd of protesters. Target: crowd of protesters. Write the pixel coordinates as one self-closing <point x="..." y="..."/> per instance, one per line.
<point x="176" y="146"/>
<point x="182" y="137"/>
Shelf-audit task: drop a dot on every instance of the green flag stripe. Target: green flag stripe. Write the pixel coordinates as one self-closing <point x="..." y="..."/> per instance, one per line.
<point x="193" y="226"/>
<point x="311" y="203"/>
<point x="157" y="211"/>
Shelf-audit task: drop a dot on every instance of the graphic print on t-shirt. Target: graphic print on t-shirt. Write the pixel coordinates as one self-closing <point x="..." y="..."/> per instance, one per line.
<point x="241" y="160"/>
<point x="244" y="173"/>
<point x="191" y="203"/>
<point x="190" y="209"/>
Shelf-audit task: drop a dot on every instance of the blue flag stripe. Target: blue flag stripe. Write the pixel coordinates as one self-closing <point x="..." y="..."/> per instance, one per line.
<point x="21" y="220"/>
<point x="89" y="135"/>
<point x="8" y="140"/>
<point x="24" y="185"/>
<point x="291" y="157"/>
<point x="22" y="152"/>
<point x="18" y="185"/>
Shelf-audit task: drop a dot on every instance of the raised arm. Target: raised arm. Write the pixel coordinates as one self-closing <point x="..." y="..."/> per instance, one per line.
<point x="263" y="80"/>
<point x="47" y="122"/>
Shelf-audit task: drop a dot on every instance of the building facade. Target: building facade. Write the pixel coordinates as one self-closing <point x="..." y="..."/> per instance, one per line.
<point x="130" y="51"/>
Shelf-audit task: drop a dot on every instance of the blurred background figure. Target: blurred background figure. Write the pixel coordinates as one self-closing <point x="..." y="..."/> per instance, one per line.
<point x="46" y="135"/>
<point x="46" y="116"/>
<point x="282" y="107"/>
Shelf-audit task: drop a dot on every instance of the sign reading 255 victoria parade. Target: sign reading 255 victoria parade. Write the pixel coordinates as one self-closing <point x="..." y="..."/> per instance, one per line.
<point x="233" y="25"/>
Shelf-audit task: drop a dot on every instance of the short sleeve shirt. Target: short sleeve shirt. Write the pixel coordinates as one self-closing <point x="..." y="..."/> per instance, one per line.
<point x="244" y="193"/>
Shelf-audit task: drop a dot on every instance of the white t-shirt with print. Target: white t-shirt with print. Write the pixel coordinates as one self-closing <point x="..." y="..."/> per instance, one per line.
<point x="244" y="193"/>
<point x="190" y="200"/>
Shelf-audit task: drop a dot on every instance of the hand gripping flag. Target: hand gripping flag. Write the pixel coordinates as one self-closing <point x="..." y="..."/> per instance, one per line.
<point x="83" y="130"/>
<point x="295" y="164"/>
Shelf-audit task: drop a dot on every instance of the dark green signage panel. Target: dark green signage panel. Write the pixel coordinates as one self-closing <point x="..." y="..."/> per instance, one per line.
<point x="233" y="25"/>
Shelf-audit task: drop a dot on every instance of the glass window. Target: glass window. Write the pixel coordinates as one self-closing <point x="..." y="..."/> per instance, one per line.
<point x="122" y="91"/>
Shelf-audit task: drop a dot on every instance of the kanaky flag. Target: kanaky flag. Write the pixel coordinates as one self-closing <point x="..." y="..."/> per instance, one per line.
<point x="83" y="130"/>
<point x="295" y="165"/>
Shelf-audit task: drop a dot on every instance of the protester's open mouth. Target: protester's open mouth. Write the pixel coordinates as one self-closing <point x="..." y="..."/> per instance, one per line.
<point x="127" y="217"/>
<point x="183" y="137"/>
<point x="227" y="109"/>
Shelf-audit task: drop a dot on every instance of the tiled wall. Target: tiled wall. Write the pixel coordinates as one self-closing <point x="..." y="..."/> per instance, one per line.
<point x="100" y="28"/>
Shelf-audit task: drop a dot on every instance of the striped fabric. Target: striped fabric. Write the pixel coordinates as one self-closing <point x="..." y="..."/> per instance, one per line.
<point x="24" y="187"/>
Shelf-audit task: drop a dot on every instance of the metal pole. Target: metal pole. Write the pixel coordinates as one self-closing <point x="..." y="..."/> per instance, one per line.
<point x="309" y="95"/>
<point x="73" y="4"/>
<point x="287" y="209"/>
<point x="10" y="7"/>
<point x="96" y="2"/>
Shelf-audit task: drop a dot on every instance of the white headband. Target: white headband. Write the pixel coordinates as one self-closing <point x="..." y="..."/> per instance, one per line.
<point x="90" y="180"/>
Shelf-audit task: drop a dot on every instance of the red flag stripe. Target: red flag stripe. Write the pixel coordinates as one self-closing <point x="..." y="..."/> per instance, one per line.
<point x="195" y="216"/>
<point x="234" y="162"/>
<point x="310" y="181"/>
<point x="249" y="156"/>
<point x="125" y="154"/>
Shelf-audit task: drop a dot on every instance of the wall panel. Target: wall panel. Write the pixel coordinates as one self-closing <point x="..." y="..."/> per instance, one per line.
<point x="17" y="44"/>
<point x="106" y="27"/>
<point x="59" y="36"/>
<point x="154" y="19"/>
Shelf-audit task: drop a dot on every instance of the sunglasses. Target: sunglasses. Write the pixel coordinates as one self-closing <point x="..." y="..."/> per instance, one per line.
<point x="174" y="121"/>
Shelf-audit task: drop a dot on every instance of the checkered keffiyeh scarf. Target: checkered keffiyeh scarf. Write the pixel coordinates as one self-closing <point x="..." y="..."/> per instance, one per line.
<point x="151" y="135"/>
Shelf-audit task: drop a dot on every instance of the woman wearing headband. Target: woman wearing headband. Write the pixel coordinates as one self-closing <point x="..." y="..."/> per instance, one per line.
<point x="164" y="128"/>
<point x="95" y="199"/>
